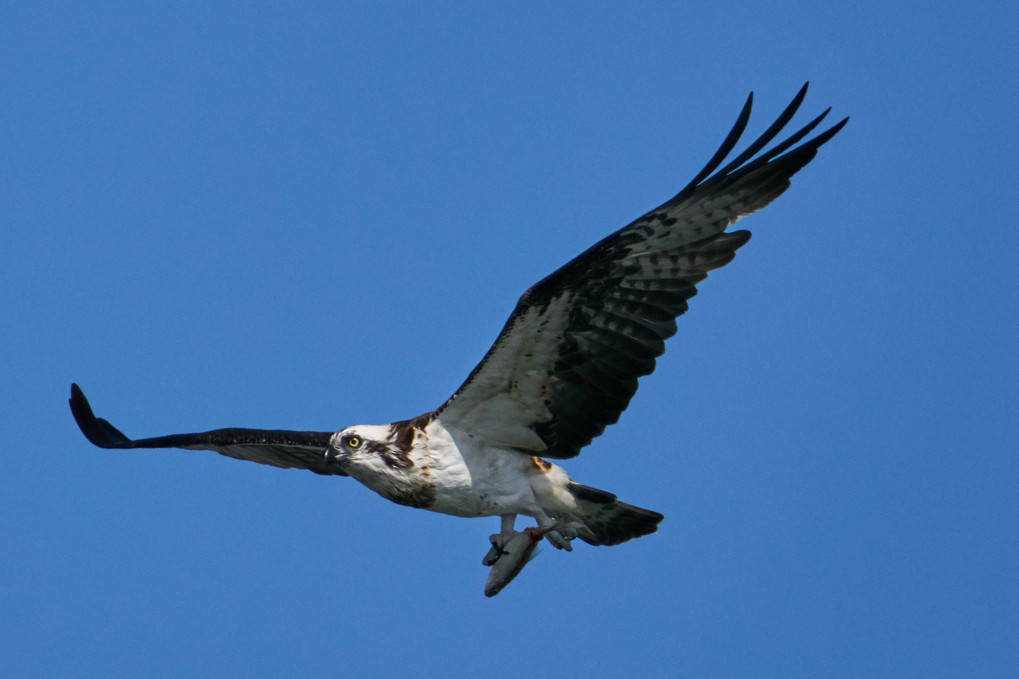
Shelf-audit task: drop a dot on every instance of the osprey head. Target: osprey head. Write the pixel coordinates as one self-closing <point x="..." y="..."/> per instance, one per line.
<point x="366" y="448"/>
<point x="379" y="457"/>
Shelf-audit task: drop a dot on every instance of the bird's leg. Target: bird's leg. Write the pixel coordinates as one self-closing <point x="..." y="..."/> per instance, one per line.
<point x="500" y="539"/>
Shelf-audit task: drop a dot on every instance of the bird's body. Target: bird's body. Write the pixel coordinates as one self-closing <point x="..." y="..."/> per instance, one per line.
<point x="564" y="367"/>
<point x="440" y="470"/>
<point x="424" y="464"/>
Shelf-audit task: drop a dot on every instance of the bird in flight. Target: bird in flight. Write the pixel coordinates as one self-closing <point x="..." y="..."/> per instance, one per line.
<point x="565" y="366"/>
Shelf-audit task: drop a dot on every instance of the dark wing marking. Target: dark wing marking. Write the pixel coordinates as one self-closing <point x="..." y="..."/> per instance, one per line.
<point x="276" y="447"/>
<point x="567" y="362"/>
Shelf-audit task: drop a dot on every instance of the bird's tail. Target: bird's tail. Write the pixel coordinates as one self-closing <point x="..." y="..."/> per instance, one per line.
<point x="606" y="520"/>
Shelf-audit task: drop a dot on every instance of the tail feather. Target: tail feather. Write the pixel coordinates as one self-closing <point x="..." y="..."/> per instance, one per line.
<point x="607" y="521"/>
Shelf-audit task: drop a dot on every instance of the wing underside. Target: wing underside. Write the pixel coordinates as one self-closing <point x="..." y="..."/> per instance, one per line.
<point x="276" y="447"/>
<point x="569" y="358"/>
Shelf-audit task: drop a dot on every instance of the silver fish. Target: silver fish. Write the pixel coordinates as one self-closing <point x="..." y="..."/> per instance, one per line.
<point x="513" y="555"/>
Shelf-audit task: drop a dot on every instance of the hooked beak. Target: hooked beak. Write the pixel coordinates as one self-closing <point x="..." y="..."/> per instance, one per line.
<point x="334" y="456"/>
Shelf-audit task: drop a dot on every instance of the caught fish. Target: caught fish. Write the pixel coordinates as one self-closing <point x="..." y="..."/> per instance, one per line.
<point x="511" y="558"/>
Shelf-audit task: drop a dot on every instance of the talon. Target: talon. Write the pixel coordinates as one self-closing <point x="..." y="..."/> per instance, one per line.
<point x="492" y="556"/>
<point x="558" y="540"/>
<point x="559" y="534"/>
<point x="499" y="541"/>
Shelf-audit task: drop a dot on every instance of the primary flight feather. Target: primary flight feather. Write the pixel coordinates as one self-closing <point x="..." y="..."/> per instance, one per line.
<point x="564" y="367"/>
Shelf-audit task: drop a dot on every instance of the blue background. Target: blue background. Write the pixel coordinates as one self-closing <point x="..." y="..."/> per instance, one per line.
<point x="311" y="214"/>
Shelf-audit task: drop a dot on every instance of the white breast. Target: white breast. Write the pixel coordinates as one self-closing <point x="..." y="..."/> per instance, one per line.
<point x="472" y="480"/>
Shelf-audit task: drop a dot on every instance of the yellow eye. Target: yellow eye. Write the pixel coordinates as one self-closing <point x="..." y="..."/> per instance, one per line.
<point x="354" y="441"/>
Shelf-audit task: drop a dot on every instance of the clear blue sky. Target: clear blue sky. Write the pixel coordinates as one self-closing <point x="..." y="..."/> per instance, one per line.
<point x="310" y="214"/>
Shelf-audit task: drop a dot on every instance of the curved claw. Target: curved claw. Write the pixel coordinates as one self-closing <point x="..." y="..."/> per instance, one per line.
<point x="499" y="542"/>
<point x="558" y="540"/>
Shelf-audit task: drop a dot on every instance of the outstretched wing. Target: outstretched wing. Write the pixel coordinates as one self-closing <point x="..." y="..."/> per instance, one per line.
<point x="567" y="362"/>
<point x="276" y="447"/>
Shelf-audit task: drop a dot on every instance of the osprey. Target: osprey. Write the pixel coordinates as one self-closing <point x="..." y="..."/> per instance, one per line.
<point x="564" y="367"/>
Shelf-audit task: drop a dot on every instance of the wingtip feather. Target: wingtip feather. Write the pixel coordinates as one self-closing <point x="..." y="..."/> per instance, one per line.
<point x="97" y="430"/>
